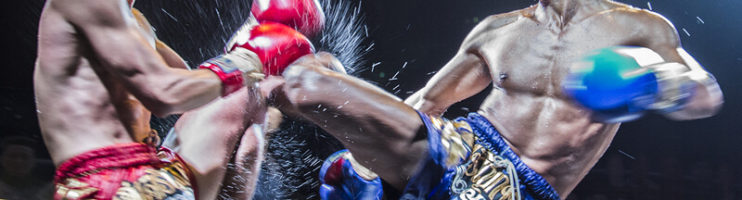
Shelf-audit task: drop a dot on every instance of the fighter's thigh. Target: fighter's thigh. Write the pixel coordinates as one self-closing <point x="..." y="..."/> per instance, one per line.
<point x="348" y="106"/>
<point x="380" y="130"/>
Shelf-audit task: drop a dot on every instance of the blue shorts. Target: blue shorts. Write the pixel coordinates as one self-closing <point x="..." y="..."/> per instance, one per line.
<point x="468" y="159"/>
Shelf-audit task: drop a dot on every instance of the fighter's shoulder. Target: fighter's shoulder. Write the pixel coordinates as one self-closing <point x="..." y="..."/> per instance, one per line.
<point x="87" y="10"/>
<point x="637" y="16"/>
<point x="493" y="22"/>
<point x="503" y="19"/>
<point x="650" y="24"/>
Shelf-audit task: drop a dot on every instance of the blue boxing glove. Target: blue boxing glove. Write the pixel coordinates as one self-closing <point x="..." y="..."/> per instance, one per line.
<point x="620" y="83"/>
<point x="344" y="179"/>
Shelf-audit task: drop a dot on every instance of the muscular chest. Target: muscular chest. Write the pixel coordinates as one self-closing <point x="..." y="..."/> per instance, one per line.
<point x="534" y="57"/>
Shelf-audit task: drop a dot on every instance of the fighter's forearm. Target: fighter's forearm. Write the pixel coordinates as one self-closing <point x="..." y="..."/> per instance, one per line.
<point x="686" y="90"/>
<point x="706" y="101"/>
<point x="707" y="97"/>
<point x="418" y="102"/>
<point x="173" y="60"/>
<point x="176" y="92"/>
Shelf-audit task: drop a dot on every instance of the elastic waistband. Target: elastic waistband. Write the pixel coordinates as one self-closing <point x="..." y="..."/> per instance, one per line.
<point x="116" y="156"/>
<point x="490" y="138"/>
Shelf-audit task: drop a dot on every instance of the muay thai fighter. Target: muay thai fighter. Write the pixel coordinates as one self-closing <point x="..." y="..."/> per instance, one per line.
<point x="97" y="66"/>
<point x="564" y="73"/>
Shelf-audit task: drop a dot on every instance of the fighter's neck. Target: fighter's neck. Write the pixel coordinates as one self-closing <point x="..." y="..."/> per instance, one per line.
<point x="563" y="11"/>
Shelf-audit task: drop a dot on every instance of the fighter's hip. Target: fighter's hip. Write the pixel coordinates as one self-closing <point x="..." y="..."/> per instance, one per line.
<point x="124" y="171"/>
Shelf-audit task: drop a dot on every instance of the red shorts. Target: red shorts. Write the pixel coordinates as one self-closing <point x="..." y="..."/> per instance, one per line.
<point x="125" y="171"/>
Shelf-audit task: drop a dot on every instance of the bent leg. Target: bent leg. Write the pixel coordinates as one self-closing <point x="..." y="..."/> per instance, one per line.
<point x="207" y="136"/>
<point x="378" y="128"/>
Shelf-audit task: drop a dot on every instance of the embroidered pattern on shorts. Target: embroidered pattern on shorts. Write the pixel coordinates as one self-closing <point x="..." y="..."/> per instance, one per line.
<point x="478" y="172"/>
<point x="456" y="139"/>
<point x="167" y="183"/>
<point x="74" y="189"/>
<point x="485" y="176"/>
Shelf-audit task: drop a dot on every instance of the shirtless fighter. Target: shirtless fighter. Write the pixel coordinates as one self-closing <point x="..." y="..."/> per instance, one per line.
<point x="99" y="66"/>
<point x="539" y="132"/>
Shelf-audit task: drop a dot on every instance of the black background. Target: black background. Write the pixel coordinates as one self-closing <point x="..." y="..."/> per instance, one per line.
<point x="424" y="34"/>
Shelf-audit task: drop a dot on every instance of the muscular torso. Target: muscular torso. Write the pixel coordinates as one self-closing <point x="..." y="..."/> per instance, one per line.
<point x="81" y="106"/>
<point x="527" y="60"/>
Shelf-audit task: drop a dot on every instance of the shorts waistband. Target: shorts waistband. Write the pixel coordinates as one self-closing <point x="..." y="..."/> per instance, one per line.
<point x="490" y="138"/>
<point x="116" y="156"/>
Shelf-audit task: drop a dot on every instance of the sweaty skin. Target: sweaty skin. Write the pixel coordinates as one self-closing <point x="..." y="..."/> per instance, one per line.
<point x="100" y="71"/>
<point x="525" y="54"/>
<point x="96" y="67"/>
<point x="140" y="129"/>
<point x="222" y="132"/>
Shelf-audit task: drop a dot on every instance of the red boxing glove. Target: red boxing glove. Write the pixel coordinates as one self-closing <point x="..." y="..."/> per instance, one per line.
<point x="343" y="178"/>
<point x="276" y="45"/>
<point x="304" y="15"/>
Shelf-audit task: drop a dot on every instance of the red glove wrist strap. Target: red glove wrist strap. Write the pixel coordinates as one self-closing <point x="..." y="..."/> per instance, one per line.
<point x="231" y="81"/>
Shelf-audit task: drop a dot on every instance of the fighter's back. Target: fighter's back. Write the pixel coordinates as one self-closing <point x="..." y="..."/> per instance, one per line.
<point x="528" y="54"/>
<point x="80" y="107"/>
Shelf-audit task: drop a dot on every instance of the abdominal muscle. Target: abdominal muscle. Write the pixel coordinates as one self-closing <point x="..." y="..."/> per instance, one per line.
<point x="78" y="115"/>
<point x="552" y="136"/>
<point x="81" y="106"/>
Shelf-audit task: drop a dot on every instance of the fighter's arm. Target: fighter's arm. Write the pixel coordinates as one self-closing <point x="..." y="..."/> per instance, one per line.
<point x="207" y="137"/>
<point x="170" y="56"/>
<point x="463" y="76"/>
<point x="662" y="37"/>
<point x="120" y="46"/>
<point x="241" y="177"/>
<point x="377" y="127"/>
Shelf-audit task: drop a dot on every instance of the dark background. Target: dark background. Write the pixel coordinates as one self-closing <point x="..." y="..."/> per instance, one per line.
<point x="414" y="38"/>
